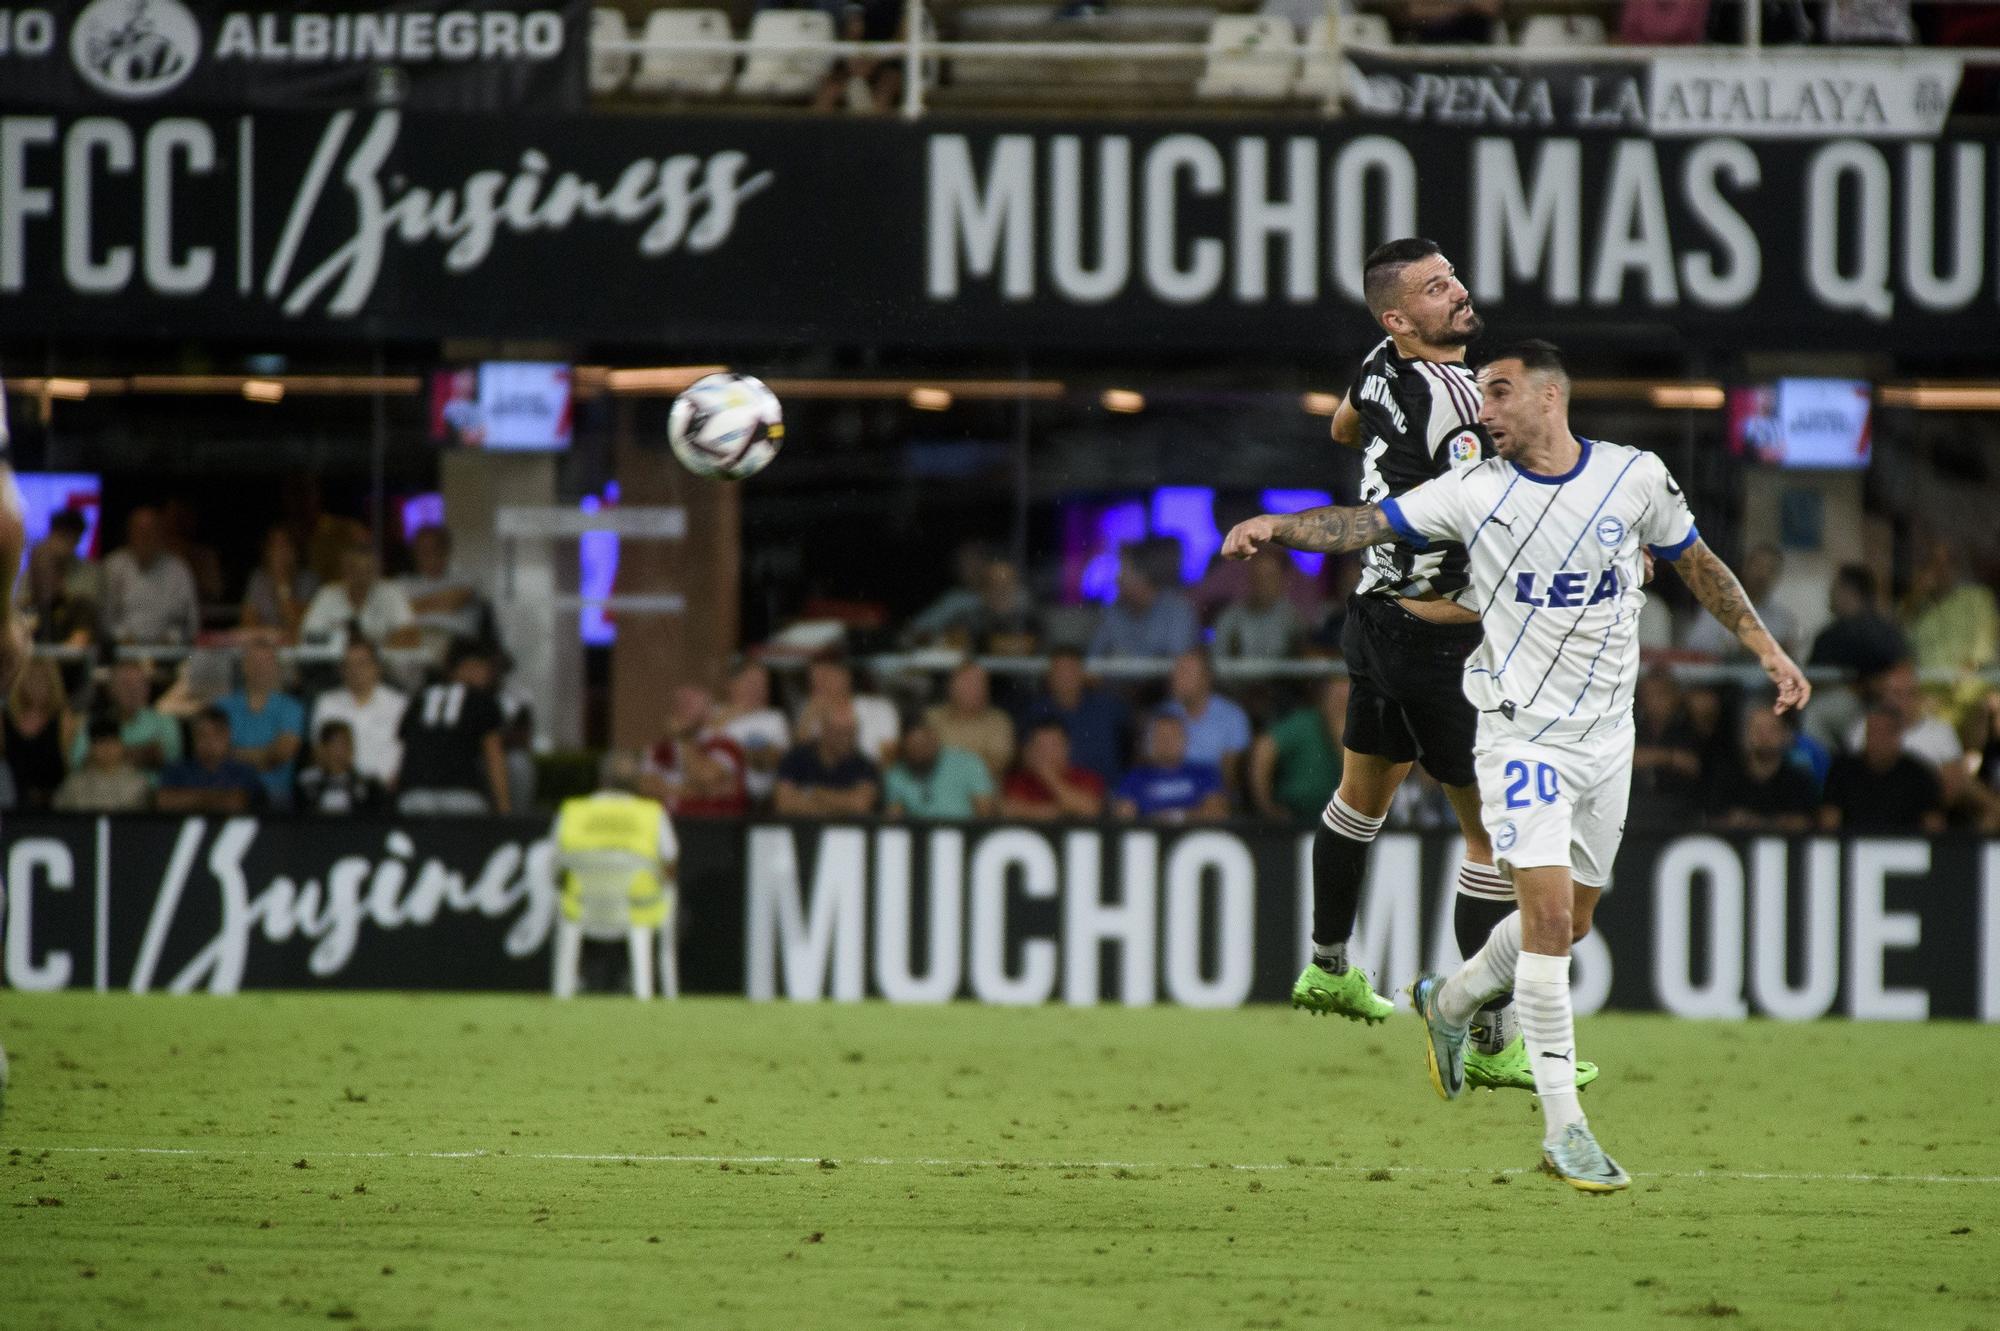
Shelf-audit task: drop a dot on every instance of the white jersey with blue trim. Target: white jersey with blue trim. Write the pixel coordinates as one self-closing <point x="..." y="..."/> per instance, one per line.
<point x="1555" y="570"/>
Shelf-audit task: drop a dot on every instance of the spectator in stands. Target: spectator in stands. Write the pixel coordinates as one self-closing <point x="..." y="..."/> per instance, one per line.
<point x="967" y="719"/>
<point x="38" y="729"/>
<point x="1046" y="784"/>
<point x="333" y="784"/>
<point x="149" y="595"/>
<point x="1164" y="786"/>
<point x="1218" y="731"/>
<point x="361" y="599"/>
<point x="152" y="741"/>
<point x="829" y="689"/>
<point x="828" y="776"/>
<point x="1007" y="622"/>
<point x="447" y="606"/>
<point x="1861" y="638"/>
<point x="1760" y="789"/>
<point x="64" y="589"/>
<point x="1666" y="754"/>
<point x="932" y="779"/>
<point x="1882" y="788"/>
<point x="279" y="590"/>
<point x="695" y="770"/>
<point x="1868" y="23"/>
<point x="453" y="759"/>
<point x="210" y="779"/>
<point x="1663" y="22"/>
<point x="1295" y="768"/>
<point x="1094" y="719"/>
<point x="1263" y="623"/>
<point x="1930" y="739"/>
<point x="1953" y="623"/>
<point x="1761" y="568"/>
<point x="950" y="617"/>
<point x="1986" y="743"/>
<point x="1446" y="22"/>
<point x="107" y="782"/>
<point x="371" y="710"/>
<point x="758" y="728"/>
<point x="266" y="725"/>
<point x="1146" y="619"/>
<point x="180" y="532"/>
<point x="1345" y="575"/>
<point x="517" y="731"/>
<point x="865" y="83"/>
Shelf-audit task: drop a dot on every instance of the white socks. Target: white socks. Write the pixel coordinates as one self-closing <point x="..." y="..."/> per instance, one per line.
<point x="1541" y="995"/>
<point x="1490" y="971"/>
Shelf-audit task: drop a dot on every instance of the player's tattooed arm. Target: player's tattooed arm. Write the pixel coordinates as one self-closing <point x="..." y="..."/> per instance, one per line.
<point x="1723" y="596"/>
<point x="1331" y="531"/>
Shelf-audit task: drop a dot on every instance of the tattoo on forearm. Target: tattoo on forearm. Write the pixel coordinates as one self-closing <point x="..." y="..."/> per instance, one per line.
<point x="1335" y="530"/>
<point x="1719" y="592"/>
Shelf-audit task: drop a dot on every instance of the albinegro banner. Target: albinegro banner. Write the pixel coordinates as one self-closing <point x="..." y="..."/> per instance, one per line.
<point x="1699" y="926"/>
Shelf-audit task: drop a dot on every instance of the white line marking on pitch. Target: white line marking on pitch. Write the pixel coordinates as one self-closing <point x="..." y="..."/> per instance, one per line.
<point x="944" y="1162"/>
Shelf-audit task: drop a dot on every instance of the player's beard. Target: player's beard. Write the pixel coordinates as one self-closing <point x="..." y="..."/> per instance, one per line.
<point x="1451" y="334"/>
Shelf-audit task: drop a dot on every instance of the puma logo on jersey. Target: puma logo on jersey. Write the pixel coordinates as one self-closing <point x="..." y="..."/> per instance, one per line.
<point x="1376" y="389"/>
<point x="1563" y="591"/>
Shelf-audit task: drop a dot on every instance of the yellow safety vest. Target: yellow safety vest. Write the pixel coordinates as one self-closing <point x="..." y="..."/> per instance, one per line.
<point x="610" y="820"/>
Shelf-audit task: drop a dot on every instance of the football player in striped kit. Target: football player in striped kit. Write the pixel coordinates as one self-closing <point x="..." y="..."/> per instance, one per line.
<point x="1413" y="411"/>
<point x="1556" y="530"/>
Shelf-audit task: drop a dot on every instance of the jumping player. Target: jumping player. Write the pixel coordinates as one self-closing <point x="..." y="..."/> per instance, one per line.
<point x="1414" y="413"/>
<point x="1556" y="529"/>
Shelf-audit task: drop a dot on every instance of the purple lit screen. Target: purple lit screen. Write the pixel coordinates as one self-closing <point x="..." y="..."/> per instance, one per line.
<point x="597" y="572"/>
<point x="46" y="493"/>
<point x="1094" y="529"/>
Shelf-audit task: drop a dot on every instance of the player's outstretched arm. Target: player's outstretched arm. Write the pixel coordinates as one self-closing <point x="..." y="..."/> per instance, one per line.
<point x="1331" y="531"/>
<point x="1723" y="596"/>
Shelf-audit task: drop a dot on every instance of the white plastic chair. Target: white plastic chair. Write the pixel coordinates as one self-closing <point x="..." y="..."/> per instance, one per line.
<point x="608" y="69"/>
<point x="1547" y="30"/>
<point x="662" y="69"/>
<point x="768" y="73"/>
<point x="1250" y="57"/>
<point x="604" y="882"/>
<point x="1316" y="71"/>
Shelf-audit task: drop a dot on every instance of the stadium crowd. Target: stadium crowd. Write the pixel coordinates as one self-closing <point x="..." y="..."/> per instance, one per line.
<point x="404" y="706"/>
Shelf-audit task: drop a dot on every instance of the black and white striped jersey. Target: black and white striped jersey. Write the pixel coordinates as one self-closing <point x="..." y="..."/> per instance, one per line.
<point x="1556" y="569"/>
<point x="1419" y="420"/>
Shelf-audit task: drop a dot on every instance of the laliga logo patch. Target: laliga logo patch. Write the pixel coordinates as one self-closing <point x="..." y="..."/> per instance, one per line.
<point x="1508" y="834"/>
<point x="135" y="48"/>
<point x="1464" y="448"/>
<point x="1611" y="531"/>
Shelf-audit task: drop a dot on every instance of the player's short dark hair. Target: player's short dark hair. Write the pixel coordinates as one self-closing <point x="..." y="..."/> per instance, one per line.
<point x="1382" y="273"/>
<point x="1859" y="579"/>
<point x="1536" y="356"/>
<point x="67" y="520"/>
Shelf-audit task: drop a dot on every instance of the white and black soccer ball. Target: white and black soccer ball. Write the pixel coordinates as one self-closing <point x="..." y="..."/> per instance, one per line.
<point x="726" y="425"/>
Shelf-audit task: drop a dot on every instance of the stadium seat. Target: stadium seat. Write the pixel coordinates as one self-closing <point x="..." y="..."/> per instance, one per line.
<point x="1547" y="30"/>
<point x="608" y="69"/>
<point x="1249" y="58"/>
<point x="604" y="878"/>
<point x="1316" y="72"/>
<point x="780" y="73"/>
<point x="689" y="73"/>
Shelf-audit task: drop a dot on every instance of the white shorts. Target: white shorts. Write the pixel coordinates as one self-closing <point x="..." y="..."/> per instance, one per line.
<point x="1550" y="804"/>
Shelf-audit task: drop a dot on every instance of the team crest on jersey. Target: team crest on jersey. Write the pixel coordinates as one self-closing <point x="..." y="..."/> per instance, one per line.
<point x="1610" y="531"/>
<point x="1506" y="835"/>
<point x="1463" y="448"/>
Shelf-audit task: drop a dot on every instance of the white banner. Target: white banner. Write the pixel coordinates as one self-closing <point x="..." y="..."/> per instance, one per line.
<point x="1885" y="96"/>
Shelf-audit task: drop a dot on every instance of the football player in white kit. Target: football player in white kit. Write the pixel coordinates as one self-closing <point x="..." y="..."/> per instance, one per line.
<point x="1557" y="530"/>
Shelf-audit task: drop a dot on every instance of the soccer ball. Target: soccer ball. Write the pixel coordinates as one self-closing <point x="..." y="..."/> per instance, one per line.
<point x="726" y="425"/>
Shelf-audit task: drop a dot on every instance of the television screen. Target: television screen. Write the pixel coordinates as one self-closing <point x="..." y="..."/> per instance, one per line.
<point x="503" y="406"/>
<point x="45" y="493"/>
<point x="1807" y="423"/>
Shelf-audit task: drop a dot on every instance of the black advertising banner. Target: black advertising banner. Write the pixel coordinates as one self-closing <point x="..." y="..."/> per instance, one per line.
<point x="437" y="55"/>
<point x="1699" y="926"/>
<point x="698" y="232"/>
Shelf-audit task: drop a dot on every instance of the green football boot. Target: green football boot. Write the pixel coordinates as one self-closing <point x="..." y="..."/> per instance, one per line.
<point x="1579" y="1161"/>
<point x="1508" y="1070"/>
<point x="1348" y="994"/>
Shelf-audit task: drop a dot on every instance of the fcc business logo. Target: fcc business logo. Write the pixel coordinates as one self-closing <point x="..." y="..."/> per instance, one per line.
<point x="135" y="48"/>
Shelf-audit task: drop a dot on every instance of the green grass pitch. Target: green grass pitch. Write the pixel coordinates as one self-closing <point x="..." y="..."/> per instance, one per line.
<point x="392" y="1161"/>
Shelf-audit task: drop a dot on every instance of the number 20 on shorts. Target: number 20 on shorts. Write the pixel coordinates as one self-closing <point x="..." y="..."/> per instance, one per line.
<point x="1521" y="775"/>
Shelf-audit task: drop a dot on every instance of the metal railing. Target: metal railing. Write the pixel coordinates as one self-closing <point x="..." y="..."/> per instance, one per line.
<point x="918" y="48"/>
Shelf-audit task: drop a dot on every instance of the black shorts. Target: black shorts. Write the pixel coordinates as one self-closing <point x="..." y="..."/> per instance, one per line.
<point x="1408" y="703"/>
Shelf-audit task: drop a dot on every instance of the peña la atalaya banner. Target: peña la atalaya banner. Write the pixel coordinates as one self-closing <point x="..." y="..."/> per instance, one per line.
<point x="1699" y="926"/>
<point x="702" y="233"/>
